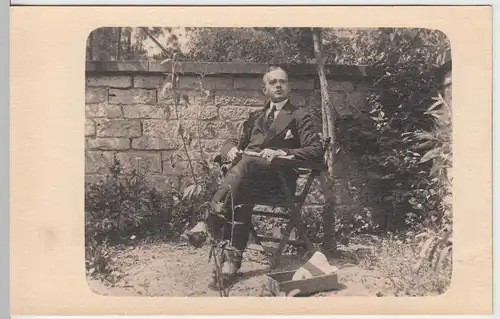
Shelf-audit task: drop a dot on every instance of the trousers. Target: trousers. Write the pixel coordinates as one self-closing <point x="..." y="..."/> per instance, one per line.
<point x="249" y="181"/>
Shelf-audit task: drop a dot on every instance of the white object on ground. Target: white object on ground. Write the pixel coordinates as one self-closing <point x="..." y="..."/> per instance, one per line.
<point x="317" y="265"/>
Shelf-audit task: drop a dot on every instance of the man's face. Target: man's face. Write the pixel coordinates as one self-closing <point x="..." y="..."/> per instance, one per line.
<point x="276" y="86"/>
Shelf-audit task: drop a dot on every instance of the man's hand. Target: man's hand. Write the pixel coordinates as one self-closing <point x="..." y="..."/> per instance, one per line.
<point x="269" y="154"/>
<point x="233" y="154"/>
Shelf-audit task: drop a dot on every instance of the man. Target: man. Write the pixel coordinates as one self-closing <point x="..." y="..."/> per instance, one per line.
<point x="279" y="129"/>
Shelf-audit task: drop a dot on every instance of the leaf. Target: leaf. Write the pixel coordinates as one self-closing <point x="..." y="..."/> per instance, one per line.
<point x="434" y="113"/>
<point x="430" y="155"/>
<point x="424" y="145"/>
<point x="165" y="61"/>
<point x="434" y="105"/>
<point x="425" y="247"/>
<point x="424" y="136"/>
<point x="189" y="191"/>
<point x="198" y="190"/>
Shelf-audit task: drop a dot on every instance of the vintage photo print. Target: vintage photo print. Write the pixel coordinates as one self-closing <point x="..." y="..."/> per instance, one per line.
<point x="183" y="129"/>
<point x="219" y="153"/>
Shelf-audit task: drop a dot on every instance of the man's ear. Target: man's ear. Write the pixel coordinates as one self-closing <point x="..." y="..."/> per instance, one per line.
<point x="263" y="89"/>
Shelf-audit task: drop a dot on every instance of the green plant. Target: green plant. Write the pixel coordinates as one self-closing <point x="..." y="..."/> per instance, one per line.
<point x="393" y="143"/>
<point x="99" y="261"/>
<point x="197" y="195"/>
<point x="397" y="258"/>
<point x="120" y="202"/>
<point x="123" y="206"/>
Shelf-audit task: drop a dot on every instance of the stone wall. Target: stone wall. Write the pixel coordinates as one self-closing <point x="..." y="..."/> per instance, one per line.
<point x="127" y="115"/>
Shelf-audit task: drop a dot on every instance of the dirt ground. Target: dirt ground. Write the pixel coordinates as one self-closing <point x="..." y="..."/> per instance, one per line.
<point x="177" y="269"/>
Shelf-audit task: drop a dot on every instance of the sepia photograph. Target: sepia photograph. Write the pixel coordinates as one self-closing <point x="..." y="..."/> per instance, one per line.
<point x="268" y="162"/>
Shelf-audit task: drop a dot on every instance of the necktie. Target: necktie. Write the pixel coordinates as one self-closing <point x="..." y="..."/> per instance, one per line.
<point x="270" y="118"/>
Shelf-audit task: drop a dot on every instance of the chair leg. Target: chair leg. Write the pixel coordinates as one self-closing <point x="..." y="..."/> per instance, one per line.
<point x="296" y="220"/>
<point x="281" y="246"/>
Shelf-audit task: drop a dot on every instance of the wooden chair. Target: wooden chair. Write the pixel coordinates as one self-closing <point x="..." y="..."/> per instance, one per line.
<point x="292" y="206"/>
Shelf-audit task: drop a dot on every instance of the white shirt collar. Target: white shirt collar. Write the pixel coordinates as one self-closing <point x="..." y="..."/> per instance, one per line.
<point x="279" y="105"/>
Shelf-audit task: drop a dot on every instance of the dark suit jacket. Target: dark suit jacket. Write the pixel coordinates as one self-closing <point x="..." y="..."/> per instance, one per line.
<point x="293" y="130"/>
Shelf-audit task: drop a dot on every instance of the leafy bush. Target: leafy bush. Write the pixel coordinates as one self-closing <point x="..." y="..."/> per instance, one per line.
<point x="118" y="204"/>
<point x="126" y="206"/>
<point x="399" y="143"/>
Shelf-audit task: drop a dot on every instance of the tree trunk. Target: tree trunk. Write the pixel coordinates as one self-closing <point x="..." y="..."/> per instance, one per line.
<point x="328" y="116"/>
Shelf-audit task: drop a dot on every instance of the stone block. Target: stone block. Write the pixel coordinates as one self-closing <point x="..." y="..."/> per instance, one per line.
<point x="188" y="98"/>
<point x="217" y="129"/>
<point x="362" y="85"/>
<point x="108" y="143"/>
<point x="195" y="112"/>
<point x="299" y="99"/>
<point x="118" y="128"/>
<point x="247" y="83"/>
<point x="205" y="83"/>
<point x="159" y="128"/>
<point x="255" y="83"/>
<point x="149" y="81"/>
<point x="239" y="98"/>
<point x="339" y="102"/>
<point x="193" y="153"/>
<point x="141" y="160"/>
<point x="155" y="143"/>
<point x="95" y="95"/>
<point x="335" y="85"/>
<point x="110" y="81"/>
<point x="357" y="99"/>
<point x="103" y="110"/>
<point x="182" y="168"/>
<point x="132" y="96"/>
<point x="303" y="84"/>
<point x="210" y="145"/>
<point x="168" y="128"/>
<point x="146" y="111"/>
<point x="89" y="128"/>
<point x="234" y="113"/>
<point x="98" y="162"/>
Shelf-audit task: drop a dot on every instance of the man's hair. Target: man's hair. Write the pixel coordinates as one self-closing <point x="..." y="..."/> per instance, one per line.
<point x="272" y="67"/>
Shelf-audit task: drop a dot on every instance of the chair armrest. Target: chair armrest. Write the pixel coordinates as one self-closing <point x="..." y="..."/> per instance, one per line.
<point x="294" y="163"/>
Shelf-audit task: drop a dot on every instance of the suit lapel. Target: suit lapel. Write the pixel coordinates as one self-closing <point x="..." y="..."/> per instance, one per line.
<point x="285" y="116"/>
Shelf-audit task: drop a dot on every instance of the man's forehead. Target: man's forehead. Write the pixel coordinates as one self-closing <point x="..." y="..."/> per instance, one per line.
<point x="276" y="74"/>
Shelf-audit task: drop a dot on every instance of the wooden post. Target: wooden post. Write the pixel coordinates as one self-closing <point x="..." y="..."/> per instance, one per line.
<point x="328" y="115"/>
